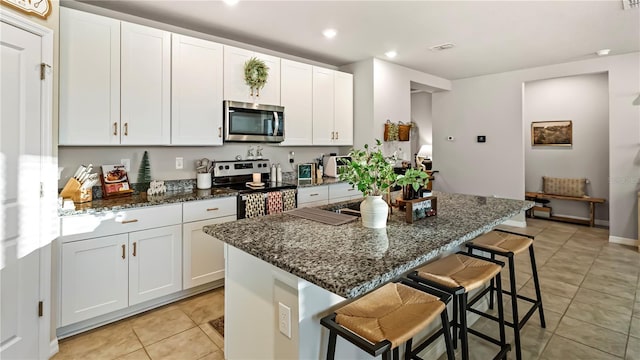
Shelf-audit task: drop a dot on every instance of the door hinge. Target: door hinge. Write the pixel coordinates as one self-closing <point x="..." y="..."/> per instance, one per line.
<point x="41" y="189"/>
<point x="43" y="70"/>
<point x="40" y="309"/>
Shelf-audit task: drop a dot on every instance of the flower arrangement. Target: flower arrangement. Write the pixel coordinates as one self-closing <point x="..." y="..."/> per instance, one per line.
<point x="256" y="74"/>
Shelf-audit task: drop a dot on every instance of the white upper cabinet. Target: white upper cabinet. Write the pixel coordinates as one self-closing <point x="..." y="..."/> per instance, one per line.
<point x="343" y="109"/>
<point x="332" y="107"/>
<point x="89" y="79"/>
<point x="235" y="87"/>
<point x="196" y="91"/>
<point x="297" y="98"/>
<point x="115" y="82"/>
<point x="145" y="85"/>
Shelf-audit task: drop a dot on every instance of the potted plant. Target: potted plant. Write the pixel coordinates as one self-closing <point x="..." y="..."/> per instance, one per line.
<point x="412" y="181"/>
<point x="371" y="172"/>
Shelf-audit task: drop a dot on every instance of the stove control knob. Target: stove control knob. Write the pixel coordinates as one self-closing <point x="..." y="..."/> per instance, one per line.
<point x="220" y="167"/>
<point x="226" y="167"/>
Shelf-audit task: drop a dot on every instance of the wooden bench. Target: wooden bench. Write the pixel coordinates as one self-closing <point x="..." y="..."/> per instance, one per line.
<point x="586" y="199"/>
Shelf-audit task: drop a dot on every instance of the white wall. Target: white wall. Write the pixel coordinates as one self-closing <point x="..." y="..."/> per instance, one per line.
<point x="421" y="111"/>
<point x="492" y="105"/>
<point x="162" y="159"/>
<point x="389" y="99"/>
<point x="584" y="100"/>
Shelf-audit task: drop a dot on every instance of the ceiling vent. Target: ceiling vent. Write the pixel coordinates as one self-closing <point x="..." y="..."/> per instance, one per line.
<point x="448" y="46"/>
<point x="630" y="4"/>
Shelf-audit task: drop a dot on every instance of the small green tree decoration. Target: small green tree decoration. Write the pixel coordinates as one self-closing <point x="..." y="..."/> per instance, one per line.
<point x="144" y="173"/>
<point x="256" y="74"/>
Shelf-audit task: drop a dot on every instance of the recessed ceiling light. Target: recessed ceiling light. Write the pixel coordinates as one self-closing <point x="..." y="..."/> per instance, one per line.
<point x="603" y="52"/>
<point x="330" y="33"/>
<point x="231" y="2"/>
<point x="391" y="54"/>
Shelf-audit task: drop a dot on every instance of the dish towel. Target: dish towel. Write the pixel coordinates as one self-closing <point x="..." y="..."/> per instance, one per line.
<point x="274" y="202"/>
<point x="254" y="205"/>
<point x="289" y="199"/>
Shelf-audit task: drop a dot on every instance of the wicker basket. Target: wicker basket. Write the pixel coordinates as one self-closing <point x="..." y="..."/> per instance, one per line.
<point x="390" y="131"/>
<point x="404" y="132"/>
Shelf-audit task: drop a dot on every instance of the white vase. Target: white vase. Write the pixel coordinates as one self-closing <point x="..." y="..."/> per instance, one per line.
<point x="374" y="212"/>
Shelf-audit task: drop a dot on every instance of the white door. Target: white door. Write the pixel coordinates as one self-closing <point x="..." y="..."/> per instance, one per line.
<point x="20" y="148"/>
<point x="202" y="255"/>
<point x="89" y="79"/>
<point x="235" y="88"/>
<point x="323" y="113"/>
<point x="343" y="100"/>
<point x="270" y="93"/>
<point x="196" y="96"/>
<point x="296" y="97"/>
<point x="94" y="277"/>
<point x="155" y="263"/>
<point x="145" y="85"/>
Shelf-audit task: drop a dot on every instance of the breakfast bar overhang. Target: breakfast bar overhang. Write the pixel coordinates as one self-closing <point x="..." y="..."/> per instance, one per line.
<point x="282" y="264"/>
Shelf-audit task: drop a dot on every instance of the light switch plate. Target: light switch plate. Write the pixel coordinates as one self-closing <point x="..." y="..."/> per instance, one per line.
<point x="179" y="163"/>
<point x="284" y="319"/>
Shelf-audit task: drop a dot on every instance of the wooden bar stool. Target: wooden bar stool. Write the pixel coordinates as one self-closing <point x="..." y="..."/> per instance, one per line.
<point x="458" y="274"/>
<point x="505" y="243"/>
<point x="382" y="320"/>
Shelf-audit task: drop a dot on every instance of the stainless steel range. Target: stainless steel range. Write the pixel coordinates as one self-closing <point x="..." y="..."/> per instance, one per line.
<point x="264" y="198"/>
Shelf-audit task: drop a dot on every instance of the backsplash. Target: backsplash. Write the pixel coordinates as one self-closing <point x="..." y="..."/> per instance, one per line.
<point x="163" y="158"/>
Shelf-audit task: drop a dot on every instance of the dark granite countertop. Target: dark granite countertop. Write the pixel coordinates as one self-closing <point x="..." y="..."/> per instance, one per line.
<point x="316" y="182"/>
<point x="350" y="260"/>
<point x="141" y="200"/>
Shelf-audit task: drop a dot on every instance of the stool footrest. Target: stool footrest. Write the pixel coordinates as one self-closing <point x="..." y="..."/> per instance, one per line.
<point x="484" y="336"/>
<point x="425" y="343"/>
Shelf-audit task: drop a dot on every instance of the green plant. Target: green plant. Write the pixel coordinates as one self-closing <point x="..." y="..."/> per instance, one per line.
<point x="414" y="178"/>
<point x="256" y="74"/>
<point x="369" y="170"/>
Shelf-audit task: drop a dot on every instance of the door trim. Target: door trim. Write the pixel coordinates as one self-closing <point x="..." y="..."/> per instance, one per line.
<point x="48" y="163"/>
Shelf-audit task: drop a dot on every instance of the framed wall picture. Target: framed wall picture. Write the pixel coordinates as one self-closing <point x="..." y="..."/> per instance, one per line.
<point x="305" y="171"/>
<point x="552" y="133"/>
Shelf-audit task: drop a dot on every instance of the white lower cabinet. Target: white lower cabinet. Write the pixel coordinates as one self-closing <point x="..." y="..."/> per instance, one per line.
<point x="202" y="255"/>
<point x="94" y="277"/>
<point x="155" y="263"/>
<point x="109" y="273"/>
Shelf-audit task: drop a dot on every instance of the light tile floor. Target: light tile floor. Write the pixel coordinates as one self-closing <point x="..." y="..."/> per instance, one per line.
<point x="590" y="293"/>
<point x="176" y="331"/>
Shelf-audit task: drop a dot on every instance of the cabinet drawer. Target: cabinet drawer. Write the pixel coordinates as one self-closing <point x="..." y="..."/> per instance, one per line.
<point x="119" y="221"/>
<point x="313" y="194"/>
<point x="342" y="190"/>
<point x="209" y="209"/>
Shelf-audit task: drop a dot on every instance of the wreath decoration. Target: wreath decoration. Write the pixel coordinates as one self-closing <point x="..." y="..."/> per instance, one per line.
<point x="256" y="74"/>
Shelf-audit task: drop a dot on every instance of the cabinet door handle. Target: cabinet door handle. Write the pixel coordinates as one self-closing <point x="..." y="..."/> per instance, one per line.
<point x="351" y="189"/>
<point x="134" y="248"/>
<point x="129" y="221"/>
<point x="115" y="128"/>
<point x="123" y="252"/>
<point x="126" y="129"/>
<point x="213" y="209"/>
<point x="220" y="131"/>
<point x="332" y="135"/>
<point x="336" y="135"/>
<point x="314" y="194"/>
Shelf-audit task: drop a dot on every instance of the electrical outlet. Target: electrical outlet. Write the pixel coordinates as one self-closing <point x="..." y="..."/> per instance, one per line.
<point x="284" y="319"/>
<point x="179" y="163"/>
<point x="126" y="163"/>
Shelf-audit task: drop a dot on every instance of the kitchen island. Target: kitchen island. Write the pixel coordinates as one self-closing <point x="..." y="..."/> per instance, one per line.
<point x="281" y="262"/>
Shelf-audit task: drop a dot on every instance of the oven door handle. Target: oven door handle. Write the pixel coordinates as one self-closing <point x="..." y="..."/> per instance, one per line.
<point x="276" y="124"/>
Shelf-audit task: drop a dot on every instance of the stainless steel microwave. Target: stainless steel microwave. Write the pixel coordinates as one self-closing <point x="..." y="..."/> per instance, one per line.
<point x="246" y="122"/>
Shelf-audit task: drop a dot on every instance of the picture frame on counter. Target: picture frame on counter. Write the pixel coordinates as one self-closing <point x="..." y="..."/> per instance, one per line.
<point x="418" y="209"/>
<point x="115" y="181"/>
<point x="305" y="171"/>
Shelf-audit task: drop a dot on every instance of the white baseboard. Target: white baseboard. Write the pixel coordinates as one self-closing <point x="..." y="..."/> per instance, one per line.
<point x="53" y="347"/>
<point x="597" y="221"/>
<point x="515" y="223"/>
<point x="623" y="241"/>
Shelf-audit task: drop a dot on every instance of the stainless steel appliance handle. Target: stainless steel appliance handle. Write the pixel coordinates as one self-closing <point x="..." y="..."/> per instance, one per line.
<point x="277" y="123"/>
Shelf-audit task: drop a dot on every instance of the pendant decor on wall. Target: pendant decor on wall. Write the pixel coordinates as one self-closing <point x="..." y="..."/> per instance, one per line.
<point x="41" y="8"/>
<point x="256" y="74"/>
<point x="397" y="132"/>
